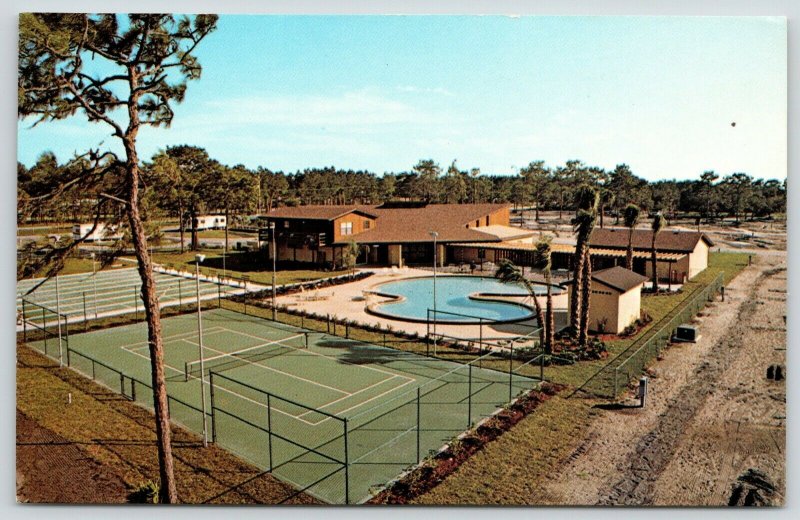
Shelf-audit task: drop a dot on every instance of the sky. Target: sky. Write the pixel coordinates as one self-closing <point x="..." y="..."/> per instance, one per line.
<point x="379" y="93"/>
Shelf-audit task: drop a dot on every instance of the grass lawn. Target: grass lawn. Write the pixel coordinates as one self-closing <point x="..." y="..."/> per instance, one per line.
<point x="43" y="230"/>
<point x="116" y="432"/>
<point x="239" y="263"/>
<point x="82" y="265"/>
<point x="213" y="233"/>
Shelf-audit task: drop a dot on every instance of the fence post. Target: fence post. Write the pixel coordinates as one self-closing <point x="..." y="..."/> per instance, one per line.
<point x="44" y="328"/>
<point x="469" y="397"/>
<point x="302" y="321"/>
<point x="93" y="371"/>
<point x="213" y="412"/>
<point x="133" y="387"/>
<point x="480" y="342"/>
<point x="346" y="467"/>
<point x="269" y="429"/>
<point x="180" y="296"/>
<point x="419" y="459"/>
<point x="541" y="366"/>
<point x="122" y="384"/>
<point x="511" y="372"/>
<point x="347" y="330"/>
<point x="219" y="296"/>
<point x="136" y="302"/>
<point x="24" y="323"/>
<point x="85" y="319"/>
<point x="614" y="396"/>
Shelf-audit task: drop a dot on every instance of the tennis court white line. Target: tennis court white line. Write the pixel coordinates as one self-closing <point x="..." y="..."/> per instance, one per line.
<point x="384" y="372"/>
<point x="351" y="395"/>
<point x="275" y="369"/>
<point x="377" y="396"/>
<point x="139" y="344"/>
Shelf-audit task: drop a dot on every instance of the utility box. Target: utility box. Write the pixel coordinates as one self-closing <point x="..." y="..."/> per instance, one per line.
<point x="686" y="333"/>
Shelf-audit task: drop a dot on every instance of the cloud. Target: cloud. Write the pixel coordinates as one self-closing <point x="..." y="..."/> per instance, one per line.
<point x="424" y="90"/>
<point x="359" y="108"/>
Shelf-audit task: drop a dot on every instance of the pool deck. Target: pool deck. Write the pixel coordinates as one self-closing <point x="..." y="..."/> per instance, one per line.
<point x="348" y="301"/>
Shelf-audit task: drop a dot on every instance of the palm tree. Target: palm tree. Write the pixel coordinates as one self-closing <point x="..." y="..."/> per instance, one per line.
<point x="587" y="200"/>
<point x="507" y="272"/>
<point x="658" y="225"/>
<point x="607" y="199"/>
<point x="544" y="262"/>
<point x="631" y="217"/>
<point x="586" y="289"/>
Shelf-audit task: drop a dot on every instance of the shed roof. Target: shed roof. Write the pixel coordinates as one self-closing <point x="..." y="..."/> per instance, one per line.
<point x="617" y="278"/>
<point x="666" y="240"/>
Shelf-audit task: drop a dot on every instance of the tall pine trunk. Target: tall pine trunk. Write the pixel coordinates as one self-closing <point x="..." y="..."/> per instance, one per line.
<point x="181" y="223"/>
<point x="167" y="491"/>
<point x="586" y="289"/>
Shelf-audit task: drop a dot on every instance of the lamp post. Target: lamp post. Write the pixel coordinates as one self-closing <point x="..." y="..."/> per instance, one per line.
<point x="434" y="235"/>
<point x="274" y="269"/>
<point x="94" y="279"/>
<point x="199" y="258"/>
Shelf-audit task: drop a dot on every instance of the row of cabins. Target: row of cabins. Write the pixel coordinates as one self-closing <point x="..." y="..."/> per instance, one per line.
<point x="396" y="234"/>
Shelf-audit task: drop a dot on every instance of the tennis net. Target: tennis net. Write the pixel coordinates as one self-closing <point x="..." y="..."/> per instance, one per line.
<point x="246" y="356"/>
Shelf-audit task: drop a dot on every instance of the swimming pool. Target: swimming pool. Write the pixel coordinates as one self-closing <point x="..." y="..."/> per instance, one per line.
<point x="456" y="294"/>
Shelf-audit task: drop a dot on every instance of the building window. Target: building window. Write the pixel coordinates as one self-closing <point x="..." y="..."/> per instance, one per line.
<point x="346" y="228"/>
<point x="286" y="224"/>
<point x="367" y="224"/>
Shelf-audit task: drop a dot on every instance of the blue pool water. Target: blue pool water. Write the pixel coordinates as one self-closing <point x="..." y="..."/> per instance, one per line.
<point x="453" y="295"/>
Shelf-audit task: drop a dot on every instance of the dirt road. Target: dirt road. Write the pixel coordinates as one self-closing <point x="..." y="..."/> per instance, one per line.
<point x="711" y="412"/>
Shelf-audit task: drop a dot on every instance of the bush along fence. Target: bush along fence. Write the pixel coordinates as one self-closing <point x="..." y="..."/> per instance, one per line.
<point x="615" y="376"/>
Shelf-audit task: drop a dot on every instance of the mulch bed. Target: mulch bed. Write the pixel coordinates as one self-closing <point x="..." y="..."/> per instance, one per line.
<point x="430" y="473"/>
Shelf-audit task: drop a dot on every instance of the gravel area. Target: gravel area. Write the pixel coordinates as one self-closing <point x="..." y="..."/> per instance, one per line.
<point x="711" y="412"/>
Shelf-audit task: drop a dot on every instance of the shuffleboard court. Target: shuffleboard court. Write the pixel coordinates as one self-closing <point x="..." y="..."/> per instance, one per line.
<point x="86" y="296"/>
<point x="334" y="417"/>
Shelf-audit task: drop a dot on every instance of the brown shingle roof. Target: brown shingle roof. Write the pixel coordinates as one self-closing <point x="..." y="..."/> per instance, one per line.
<point x="415" y="224"/>
<point x="317" y="212"/>
<point x="667" y="240"/>
<point x="617" y="278"/>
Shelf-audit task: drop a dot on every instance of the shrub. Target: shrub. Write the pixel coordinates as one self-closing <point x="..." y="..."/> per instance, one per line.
<point x="146" y="493"/>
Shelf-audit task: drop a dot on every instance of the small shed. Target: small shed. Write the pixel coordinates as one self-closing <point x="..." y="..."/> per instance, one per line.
<point x="615" y="301"/>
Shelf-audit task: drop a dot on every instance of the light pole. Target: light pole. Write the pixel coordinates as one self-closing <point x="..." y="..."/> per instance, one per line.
<point x="198" y="259"/>
<point x="94" y="280"/>
<point x="435" y="235"/>
<point x="274" y="268"/>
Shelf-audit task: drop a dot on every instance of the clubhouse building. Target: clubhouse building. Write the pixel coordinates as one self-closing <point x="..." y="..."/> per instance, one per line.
<point x="393" y="234"/>
<point x="403" y="233"/>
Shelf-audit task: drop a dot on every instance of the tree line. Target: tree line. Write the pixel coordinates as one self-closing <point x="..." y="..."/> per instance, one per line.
<point x="184" y="181"/>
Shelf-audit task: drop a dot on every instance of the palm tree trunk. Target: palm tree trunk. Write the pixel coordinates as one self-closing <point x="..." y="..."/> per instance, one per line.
<point x="629" y="253"/>
<point x="586" y="288"/>
<point x="655" y="265"/>
<point x="539" y="314"/>
<point x="577" y="277"/>
<point x="549" y="319"/>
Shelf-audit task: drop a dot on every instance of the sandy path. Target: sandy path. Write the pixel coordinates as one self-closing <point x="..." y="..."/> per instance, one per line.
<point x="628" y="456"/>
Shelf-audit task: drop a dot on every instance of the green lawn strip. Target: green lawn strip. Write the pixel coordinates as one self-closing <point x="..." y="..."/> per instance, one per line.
<point x="79" y="265"/>
<point x="116" y="432"/>
<point x="239" y="263"/>
<point x="510" y="469"/>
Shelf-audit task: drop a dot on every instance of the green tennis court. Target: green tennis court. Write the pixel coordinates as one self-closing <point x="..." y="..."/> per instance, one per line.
<point x="88" y="296"/>
<point x="334" y="417"/>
